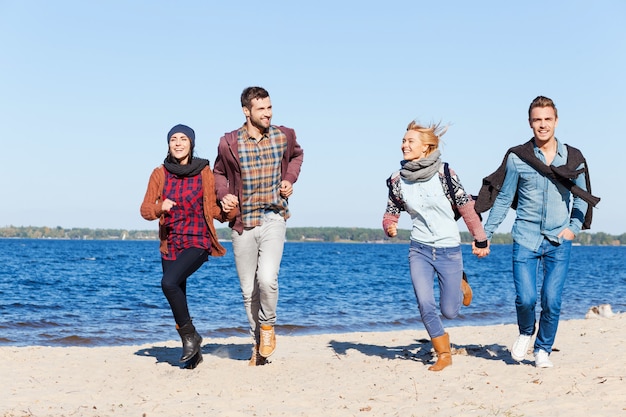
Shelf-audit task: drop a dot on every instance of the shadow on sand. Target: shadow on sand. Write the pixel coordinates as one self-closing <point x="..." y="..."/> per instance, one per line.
<point x="422" y="351"/>
<point x="171" y="355"/>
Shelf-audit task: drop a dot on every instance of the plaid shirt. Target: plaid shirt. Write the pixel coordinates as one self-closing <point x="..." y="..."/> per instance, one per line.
<point x="185" y="222"/>
<point x="261" y="174"/>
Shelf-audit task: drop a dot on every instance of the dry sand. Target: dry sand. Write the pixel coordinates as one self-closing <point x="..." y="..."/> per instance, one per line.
<point x="350" y="374"/>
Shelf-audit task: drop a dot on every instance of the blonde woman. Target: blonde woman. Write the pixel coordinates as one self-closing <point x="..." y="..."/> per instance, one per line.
<point x="422" y="189"/>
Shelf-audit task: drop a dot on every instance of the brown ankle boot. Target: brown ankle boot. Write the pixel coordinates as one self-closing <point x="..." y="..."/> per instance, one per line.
<point x="268" y="340"/>
<point x="467" y="291"/>
<point x="256" y="359"/>
<point x="442" y="347"/>
<point x="255" y="356"/>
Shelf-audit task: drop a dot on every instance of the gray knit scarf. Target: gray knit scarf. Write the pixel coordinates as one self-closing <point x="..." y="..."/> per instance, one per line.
<point x="422" y="169"/>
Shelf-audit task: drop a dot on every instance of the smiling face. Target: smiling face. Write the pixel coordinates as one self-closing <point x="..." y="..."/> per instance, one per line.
<point x="259" y="115"/>
<point x="412" y="146"/>
<point x="543" y="122"/>
<point x="180" y="147"/>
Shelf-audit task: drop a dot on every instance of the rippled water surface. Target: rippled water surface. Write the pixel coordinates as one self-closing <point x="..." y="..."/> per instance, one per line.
<point x="93" y="293"/>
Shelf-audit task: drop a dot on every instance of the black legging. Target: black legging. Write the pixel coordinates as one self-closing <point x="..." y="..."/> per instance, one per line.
<point x="174" y="281"/>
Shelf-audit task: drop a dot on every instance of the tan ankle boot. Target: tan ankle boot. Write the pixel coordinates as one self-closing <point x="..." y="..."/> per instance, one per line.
<point x="256" y="359"/>
<point x="467" y="291"/>
<point x="255" y="356"/>
<point x="442" y="347"/>
<point x="268" y="340"/>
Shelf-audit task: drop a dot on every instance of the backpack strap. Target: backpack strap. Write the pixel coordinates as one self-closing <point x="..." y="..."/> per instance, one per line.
<point x="446" y="174"/>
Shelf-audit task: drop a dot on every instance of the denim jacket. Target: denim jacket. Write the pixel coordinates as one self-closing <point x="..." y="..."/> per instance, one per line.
<point x="543" y="209"/>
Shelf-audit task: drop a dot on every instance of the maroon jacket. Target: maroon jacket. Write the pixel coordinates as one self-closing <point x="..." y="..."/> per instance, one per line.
<point x="227" y="171"/>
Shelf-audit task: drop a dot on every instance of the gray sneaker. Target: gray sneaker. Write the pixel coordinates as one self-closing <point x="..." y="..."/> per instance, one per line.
<point x="520" y="347"/>
<point x="542" y="359"/>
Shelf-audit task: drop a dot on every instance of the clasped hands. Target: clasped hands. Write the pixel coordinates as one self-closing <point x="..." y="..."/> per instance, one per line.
<point x="480" y="252"/>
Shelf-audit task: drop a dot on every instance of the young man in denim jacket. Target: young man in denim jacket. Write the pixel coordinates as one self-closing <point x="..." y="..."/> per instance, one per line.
<point x="547" y="220"/>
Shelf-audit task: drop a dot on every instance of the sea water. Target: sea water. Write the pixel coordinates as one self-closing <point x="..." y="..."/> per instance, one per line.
<point x="95" y="293"/>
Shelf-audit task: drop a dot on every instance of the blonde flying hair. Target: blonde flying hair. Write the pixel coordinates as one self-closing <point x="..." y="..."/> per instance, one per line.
<point x="429" y="135"/>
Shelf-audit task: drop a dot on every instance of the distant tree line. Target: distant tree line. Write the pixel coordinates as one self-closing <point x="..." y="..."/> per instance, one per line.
<point x="294" y="234"/>
<point x="31" y="232"/>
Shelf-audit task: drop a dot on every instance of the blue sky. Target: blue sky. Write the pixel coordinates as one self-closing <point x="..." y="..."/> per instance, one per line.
<point x="90" y="89"/>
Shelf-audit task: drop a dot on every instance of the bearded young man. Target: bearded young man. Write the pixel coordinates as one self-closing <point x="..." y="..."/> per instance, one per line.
<point x="255" y="169"/>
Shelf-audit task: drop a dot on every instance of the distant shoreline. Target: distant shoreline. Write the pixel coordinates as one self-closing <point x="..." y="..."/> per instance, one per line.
<point x="294" y="234"/>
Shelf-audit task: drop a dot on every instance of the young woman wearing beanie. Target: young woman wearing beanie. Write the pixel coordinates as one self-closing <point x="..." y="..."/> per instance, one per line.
<point x="431" y="194"/>
<point x="181" y="194"/>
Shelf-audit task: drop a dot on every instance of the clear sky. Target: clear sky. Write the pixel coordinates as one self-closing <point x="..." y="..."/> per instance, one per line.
<point x="89" y="90"/>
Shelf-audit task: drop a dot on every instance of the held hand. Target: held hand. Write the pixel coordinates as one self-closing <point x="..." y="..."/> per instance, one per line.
<point x="229" y="202"/>
<point x="392" y="230"/>
<point x="567" y="234"/>
<point x="481" y="252"/>
<point x="167" y="205"/>
<point x="286" y="189"/>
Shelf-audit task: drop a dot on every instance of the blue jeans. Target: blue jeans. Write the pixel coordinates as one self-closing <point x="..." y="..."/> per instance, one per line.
<point x="424" y="261"/>
<point x="554" y="259"/>
<point x="258" y="252"/>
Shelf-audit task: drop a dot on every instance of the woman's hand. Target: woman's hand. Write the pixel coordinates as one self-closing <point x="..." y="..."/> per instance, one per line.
<point x="167" y="205"/>
<point x="229" y="202"/>
<point x="392" y="230"/>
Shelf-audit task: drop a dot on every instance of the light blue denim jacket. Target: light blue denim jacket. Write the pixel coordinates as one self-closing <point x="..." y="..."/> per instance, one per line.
<point x="543" y="208"/>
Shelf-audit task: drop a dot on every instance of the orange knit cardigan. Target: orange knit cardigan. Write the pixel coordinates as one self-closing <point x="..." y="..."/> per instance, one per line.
<point x="151" y="207"/>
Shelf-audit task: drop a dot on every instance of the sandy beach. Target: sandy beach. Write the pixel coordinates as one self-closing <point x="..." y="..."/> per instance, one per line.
<point x="349" y="374"/>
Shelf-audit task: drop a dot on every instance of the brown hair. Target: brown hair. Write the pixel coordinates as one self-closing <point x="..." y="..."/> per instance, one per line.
<point x="252" y="93"/>
<point x="542" y="101"/>
<point x="429" y="135"/>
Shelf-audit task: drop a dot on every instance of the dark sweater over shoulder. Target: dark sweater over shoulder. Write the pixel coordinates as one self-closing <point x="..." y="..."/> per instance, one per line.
<point x="564" y="174"/>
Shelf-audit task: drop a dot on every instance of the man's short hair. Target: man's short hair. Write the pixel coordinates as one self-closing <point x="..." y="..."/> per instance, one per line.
<point x="542" y="101"/>
<point x="252" y="93"/>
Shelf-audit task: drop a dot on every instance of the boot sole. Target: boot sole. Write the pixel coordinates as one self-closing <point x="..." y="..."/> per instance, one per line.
<point x="195" y="360"/>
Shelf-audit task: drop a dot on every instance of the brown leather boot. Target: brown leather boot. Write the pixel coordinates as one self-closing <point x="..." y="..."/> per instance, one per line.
<point x="268" y="340"/>
<point x="256" y="359"/>
<point x="467" y="291"/>
<point x="442" y="347"/>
